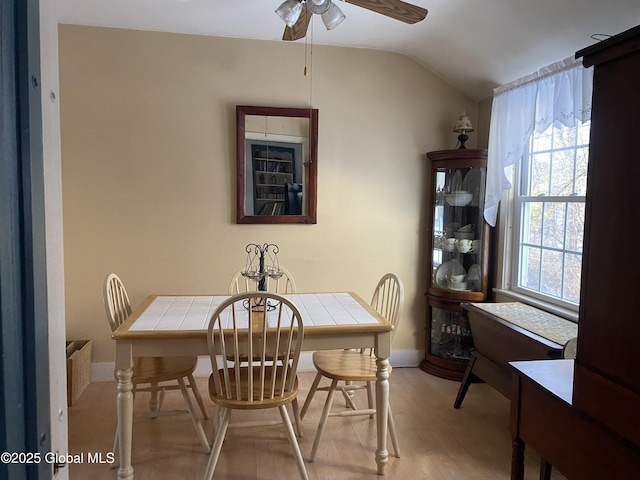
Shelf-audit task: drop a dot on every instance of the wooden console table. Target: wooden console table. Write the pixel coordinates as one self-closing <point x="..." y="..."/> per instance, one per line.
<point x="543" y="416"/>
<point x="506" y="332"/>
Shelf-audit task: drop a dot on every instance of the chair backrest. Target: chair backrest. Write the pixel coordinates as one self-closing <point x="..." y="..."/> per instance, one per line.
<point x="388" y="299"/>
<point x="243" y="342"/>
<point x="283" y="285"/>
<point x="116" y="301"/>
<point x="293" y="199"/>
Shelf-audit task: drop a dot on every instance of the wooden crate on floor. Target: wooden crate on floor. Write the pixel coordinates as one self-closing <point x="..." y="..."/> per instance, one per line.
<point x="78" y="369"/>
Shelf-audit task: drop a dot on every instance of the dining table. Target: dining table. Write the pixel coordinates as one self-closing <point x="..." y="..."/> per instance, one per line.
<point x="176" y="325"/>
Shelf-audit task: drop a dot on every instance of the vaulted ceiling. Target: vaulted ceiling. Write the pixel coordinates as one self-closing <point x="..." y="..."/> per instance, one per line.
<point x="475" y="45"/>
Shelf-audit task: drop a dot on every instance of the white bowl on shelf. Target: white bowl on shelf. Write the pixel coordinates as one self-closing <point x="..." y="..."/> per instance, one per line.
<point x="458" y="285"/>
<point x="459" y="198"/>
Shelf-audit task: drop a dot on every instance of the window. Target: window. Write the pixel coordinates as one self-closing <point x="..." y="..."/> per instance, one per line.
<point x="549" y="209"/>
<point x="540" y="125"/>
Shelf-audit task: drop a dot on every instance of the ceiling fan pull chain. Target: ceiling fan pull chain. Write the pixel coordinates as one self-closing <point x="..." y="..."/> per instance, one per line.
<point x="306" y="46"/>
<point x="310" y="68"/>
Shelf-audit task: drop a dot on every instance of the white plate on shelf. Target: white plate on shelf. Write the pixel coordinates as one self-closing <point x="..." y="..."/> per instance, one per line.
<point x="474" y="272"/>
<point x="474" y="182"/>
<point x="444" y="271"/>
<point x="474" y="277"/>
<point x="456" y="182"/>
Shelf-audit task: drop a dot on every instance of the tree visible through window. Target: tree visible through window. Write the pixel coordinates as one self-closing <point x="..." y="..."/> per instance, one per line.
<point x="549" y="211"/>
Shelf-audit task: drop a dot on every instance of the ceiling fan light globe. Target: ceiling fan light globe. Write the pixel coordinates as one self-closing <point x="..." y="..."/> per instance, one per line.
<point x="290" y="11"/>
<point x="333" y="17"/>
<point x="319" y="7"/>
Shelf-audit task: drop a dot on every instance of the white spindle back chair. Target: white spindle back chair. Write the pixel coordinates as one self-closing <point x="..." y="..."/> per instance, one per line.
<point x="350" y="366"/>
<point x="243" y="340"/>
<point x="154" y="371"/>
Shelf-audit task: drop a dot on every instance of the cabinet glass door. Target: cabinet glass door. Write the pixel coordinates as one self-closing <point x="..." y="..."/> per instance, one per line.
<point x="458" y="227"/>
<point x="450" y="334"/>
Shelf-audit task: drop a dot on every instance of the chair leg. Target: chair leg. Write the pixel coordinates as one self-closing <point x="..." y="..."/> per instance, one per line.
<point x="194" y="418"/>
<point x="394" y="434"/>
<point x="371" y="396"/>
<point x="323" y="419"/>
<point x="294" y="443"/>
<point x="217" y="416"/>
<point x="310" y="395"/>
<point x="348" y="395"/>
<point x="221" y="431"/>
<point x="156" y="398"/>
<point x="296" y="416"/>
<point x="196" y="393"/>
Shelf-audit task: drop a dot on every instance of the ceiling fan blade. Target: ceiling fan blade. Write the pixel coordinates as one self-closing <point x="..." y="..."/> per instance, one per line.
<point x="403" y="11"/>
<point x="299" y="30"/>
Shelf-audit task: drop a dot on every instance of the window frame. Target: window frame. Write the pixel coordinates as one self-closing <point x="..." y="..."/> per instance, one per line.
<point x="515" y="232"/>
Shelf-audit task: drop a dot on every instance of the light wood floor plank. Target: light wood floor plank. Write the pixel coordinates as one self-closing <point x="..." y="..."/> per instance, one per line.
<point x="437" y="441"/>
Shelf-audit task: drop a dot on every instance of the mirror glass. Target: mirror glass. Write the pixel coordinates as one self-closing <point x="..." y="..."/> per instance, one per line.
<point x="277" y="153"/>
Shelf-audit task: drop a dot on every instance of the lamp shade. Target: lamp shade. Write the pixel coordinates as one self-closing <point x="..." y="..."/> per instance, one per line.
<point x="463" y="124"/>
<point x="319" y="6"/>
<point x="333" y="17"/>
<point x="290" y="11"/>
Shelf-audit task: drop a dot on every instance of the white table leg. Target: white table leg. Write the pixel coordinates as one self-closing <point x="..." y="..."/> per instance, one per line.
<point x="124" y="404"/>
<point x="382" y="412"/>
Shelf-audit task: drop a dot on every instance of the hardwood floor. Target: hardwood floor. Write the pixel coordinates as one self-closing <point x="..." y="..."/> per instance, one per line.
<point x="437" y="441"/>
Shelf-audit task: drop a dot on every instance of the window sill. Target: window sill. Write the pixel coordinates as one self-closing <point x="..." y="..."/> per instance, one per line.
<point x="554" y="309"/>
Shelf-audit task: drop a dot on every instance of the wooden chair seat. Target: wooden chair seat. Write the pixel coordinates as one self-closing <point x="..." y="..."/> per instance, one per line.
<point x="346" y="365"/>
<point x="162" y="369"/>
<point x="259" y="402"/>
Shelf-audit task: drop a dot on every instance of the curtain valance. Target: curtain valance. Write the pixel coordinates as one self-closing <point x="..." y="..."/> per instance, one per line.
<point x="559" y="94"/>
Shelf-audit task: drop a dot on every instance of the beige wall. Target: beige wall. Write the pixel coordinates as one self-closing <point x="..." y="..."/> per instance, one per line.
<point x="484" y="120"/>
<point x="148" y="128"/>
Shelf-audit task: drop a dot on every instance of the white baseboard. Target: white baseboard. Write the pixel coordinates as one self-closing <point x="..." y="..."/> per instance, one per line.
<point x="103" y="372"/>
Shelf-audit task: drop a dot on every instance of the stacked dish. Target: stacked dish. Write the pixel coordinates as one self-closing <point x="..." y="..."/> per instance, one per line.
<point x="465" y="233"/>
<point x="459" y="198"/>
<point x="459" y="286"/>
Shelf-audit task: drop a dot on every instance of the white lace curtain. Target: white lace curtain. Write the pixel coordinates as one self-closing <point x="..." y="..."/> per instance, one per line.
<point x="558" y="94"/>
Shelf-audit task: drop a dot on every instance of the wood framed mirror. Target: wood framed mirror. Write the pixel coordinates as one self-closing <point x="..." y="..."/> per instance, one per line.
<point x="277" y="171"/>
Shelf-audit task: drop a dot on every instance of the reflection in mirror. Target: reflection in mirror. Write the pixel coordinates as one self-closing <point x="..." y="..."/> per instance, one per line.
<point x="275" y="150"/>
<point x="276" y="164"/>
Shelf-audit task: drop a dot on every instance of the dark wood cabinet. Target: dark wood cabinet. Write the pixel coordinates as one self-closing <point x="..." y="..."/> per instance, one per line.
<point x="458" y="262"/>
<point x="607" y="370"/>
<point x="592" y="403"/>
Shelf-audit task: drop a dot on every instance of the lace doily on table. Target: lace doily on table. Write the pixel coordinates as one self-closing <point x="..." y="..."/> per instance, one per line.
<point x="547" y="325"/>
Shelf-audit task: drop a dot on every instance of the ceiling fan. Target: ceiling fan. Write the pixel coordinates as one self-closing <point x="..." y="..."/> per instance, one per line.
<point x="297" y="13"/>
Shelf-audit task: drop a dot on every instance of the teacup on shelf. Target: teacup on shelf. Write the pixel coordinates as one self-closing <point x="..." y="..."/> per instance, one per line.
<point x="450" y="244"/>
<point x="464" y="245"/>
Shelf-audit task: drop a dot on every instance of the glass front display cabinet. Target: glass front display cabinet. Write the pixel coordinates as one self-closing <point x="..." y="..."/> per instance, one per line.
<point x="458" y="260"/>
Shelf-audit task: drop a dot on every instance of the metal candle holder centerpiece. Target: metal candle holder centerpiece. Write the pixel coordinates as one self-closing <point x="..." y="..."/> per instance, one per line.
<point x="262" y="263"/>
